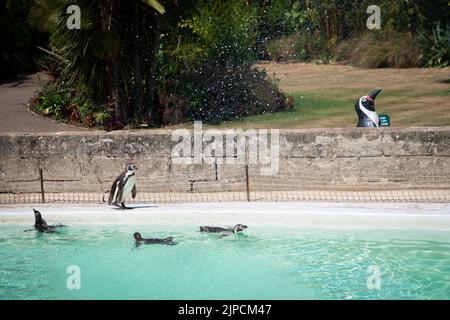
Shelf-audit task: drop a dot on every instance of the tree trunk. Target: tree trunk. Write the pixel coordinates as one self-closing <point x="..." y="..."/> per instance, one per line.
<point x="138" y="49"/>
<point x="109" y="10"/>
<point x="151" y="85"/>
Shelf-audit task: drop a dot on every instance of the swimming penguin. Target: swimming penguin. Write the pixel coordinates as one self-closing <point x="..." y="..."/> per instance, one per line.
<point x="139" y="240"/>
<point x="237" y="228"/>
<point x="42" y="226"/>
<point x="122" y="186"/>
<point x="365" y="108"/>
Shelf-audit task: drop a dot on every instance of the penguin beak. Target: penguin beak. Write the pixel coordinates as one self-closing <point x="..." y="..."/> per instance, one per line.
<point x="375" y="93"/>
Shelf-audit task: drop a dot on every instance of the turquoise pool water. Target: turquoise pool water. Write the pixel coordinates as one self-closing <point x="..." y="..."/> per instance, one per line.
<point x="263" y="263"/>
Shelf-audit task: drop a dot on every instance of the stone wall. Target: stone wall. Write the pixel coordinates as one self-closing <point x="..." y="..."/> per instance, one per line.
<point x="336" y="159"/>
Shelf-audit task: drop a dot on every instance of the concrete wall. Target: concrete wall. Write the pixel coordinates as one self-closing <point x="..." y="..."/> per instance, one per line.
<point x="348" y="159"/>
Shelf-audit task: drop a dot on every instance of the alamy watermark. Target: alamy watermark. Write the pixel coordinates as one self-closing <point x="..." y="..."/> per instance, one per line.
<point x="374" y="279"/>
<point x="74" y="20"/>
<point x="374" y="20"/>
<point x="73" y="281"/>
<point x="233" y="146"/>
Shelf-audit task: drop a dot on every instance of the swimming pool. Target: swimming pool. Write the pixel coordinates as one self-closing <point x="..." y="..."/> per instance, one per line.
<point x="266" y="262"/>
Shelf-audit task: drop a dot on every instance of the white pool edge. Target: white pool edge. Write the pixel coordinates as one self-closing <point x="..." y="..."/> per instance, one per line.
<point x="296" y="214"/>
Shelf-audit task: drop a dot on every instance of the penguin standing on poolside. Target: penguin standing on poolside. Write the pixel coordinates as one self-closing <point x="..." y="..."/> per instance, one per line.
<point x="365" y="108"/>
<point x="123" y="186"/>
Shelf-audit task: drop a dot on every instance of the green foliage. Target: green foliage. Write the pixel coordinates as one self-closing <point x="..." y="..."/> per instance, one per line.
<point x="80" y="53"/>
<point x="380" y="50"/>
<point x="323" y="24"/>
<point x="298" y="46"/>
<point x="53" y="104"/>
<point x="210" y="66"/>
<point x="102" y="117"/>
<point x="313" y="27"/>
<point x="17" y="38"/>
<point x="273" y="22"/>
<point x="58" y="103"/>
<point x="111" y="58"/>
<point x="413" y="15"/>
<point x="435" y="46"/>
<point x="229" y="91"/>
<point x="223" y="30"/>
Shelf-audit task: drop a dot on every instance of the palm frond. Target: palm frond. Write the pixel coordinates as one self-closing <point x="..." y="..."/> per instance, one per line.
<point x="155" y="4"/>
<point x="45" y="15"/>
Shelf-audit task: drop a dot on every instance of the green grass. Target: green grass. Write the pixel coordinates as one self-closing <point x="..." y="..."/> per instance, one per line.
<point x="335" y="109"/>
<point x="309" y="106"/>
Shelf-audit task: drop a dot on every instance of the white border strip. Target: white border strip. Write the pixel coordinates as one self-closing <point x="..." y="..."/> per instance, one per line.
<point x="418" y="216"/>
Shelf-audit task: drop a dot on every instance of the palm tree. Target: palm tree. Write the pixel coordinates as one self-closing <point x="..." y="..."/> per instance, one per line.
<point x="112" y="58"/>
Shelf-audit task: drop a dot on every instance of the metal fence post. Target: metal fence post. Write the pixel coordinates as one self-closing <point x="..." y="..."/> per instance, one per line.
<point x="247" y="183"/>
<point x="41" y="178"/>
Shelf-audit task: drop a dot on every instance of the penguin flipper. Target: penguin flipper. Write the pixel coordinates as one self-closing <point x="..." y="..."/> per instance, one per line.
<point x="112" y="191"/>
<point x="133" y="192"/>
<point x="116" y="189"/>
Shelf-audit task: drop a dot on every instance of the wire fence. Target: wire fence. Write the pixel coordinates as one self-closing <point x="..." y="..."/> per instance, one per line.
<point x="242" y="184"/>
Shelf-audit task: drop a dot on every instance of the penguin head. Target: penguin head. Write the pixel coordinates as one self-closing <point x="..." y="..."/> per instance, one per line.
<point x="368" y="101"/>
<point x="239" y="227"/>
<point x="137" y="236"/>
<point x="365" y="108"/>
<point x="37" y="216"/>
<point x="131" y="167"/>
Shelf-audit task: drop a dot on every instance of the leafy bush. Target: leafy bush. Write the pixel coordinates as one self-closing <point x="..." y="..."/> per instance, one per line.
<point x="60" y="104"/>
<point x="222" y="30"/>
<point x="322" y="25"/>
<point x="273" y="22"/>
<point x="376" y="50"/>
<point x="229" y="91"/>
<point x="217" y="82"/>
<point x="435" y="46"/>
<point x="53" y="104"/>
<point x="297" y="46"/>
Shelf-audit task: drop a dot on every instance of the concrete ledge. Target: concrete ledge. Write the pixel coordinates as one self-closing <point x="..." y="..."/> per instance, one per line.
<point x="294" y="214"/>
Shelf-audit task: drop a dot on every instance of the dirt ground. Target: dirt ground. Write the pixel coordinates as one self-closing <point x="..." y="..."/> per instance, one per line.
<point x="298" y="77"/>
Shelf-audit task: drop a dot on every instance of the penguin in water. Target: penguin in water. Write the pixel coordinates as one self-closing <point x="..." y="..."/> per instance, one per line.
<point x="225" y="231"/>
<point x="122" y="186"/>
<point x="41" y="225"/>
<point x="365" y="108"/>
<point x="139" y="240"/>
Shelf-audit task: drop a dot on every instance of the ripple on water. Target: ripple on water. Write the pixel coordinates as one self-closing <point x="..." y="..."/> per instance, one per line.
<point x="261" y="263"/>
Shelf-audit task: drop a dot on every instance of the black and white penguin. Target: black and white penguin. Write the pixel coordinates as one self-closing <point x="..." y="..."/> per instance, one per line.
<point x="365" y="108"/>
<point x="139" y="240"/>
<point x="122" y="186"/>
<point x="41" y="225"/>
<point x="237" y="228"/>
